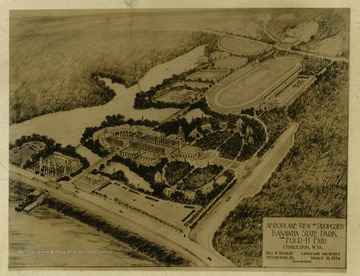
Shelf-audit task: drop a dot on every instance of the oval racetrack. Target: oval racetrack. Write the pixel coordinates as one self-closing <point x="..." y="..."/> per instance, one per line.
<point x="252" y="84"/>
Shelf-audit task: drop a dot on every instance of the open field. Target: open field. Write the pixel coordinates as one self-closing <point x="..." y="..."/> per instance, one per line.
<point x="224" y="162"/>
<point x="242" y="46"/>
<point x="90" y="182"/>
<point x="249" y="89"/>
<point x="230" y="63"/>
<point x="20" y="155"/>
<point x="89" y="155"/>
<point x="177" y="96"/>
<point x="192" y="84"/>
<point x="168" y="211"/>
<point x="208" y="75"/>
<point x="331" y="46"/>
<point x="206" y="157"/>
<point x="236" y="75"/>
<point x="303" y="31"/>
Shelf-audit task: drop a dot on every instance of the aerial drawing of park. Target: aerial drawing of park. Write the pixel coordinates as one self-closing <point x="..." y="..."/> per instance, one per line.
<point x="152" y="138"/>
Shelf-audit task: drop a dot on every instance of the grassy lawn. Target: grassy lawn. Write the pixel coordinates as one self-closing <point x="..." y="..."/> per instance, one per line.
<point x="207" y="75"/>
<point x="242" y="46"/>
<point x="276" y="121"/>
<point x="230" y="63"/>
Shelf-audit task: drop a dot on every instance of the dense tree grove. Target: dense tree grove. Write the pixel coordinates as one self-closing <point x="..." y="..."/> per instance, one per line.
<point x="114" y="78"/>
<point x="276" y="121"/>
<point x="176" y="170"/>
<point x="204" y="199"/>
<point x="330" y="23"/>
<point x="255" y="137"/>
<point x="119" y="175"/>
<point x="231" y="148"/>
<point x="109" y="93"/>
<point x="199" y="177"/>
<point x="214" y="139"/>
<point x="310" y="181"/>
<point x="146" y="172"/>
<point x="313" y="65"/>
<point x="172" y="127"/>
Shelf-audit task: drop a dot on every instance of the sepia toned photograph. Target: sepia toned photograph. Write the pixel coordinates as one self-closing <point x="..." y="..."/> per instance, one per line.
<point x="179" y="138"/>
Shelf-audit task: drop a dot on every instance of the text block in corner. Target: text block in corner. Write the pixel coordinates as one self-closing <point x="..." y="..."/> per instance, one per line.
<point x="304" y="242"/>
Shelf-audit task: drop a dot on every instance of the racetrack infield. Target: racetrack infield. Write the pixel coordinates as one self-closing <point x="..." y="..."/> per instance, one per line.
<point x="242" y="46"/>
<point x="251" y="87"/>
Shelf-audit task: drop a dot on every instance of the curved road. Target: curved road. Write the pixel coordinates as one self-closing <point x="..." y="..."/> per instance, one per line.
<point x="204" y="233"/>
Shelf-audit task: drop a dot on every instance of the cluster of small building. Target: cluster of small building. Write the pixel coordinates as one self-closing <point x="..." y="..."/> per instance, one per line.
<point x="145" y="144"/>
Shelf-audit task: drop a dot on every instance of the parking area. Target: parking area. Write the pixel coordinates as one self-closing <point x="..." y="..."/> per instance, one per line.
<point x="165" y="210"/>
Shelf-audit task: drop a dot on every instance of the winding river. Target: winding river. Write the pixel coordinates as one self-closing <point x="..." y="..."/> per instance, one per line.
<point x="26" y="231"/>
<point x="66" y="127"/>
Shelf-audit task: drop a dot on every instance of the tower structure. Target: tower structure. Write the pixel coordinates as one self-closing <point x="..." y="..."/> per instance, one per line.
<point x="181" y="136"/>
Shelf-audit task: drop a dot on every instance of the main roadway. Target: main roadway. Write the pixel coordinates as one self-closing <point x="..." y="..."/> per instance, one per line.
<point x="204" y="232"/>
<point x="126" y="219"/>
